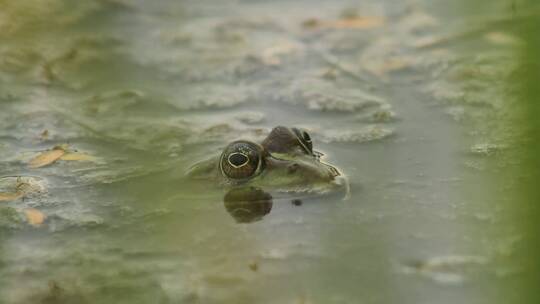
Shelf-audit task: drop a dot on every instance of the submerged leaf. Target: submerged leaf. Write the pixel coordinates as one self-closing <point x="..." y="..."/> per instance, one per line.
<point x="34" y="217"/>
<point x="47" y="157"/>
<point x="7" y="197"/>
<point x="75" y="156"/>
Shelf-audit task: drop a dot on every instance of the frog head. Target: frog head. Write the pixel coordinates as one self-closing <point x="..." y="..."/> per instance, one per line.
<point x="284" y="161"/>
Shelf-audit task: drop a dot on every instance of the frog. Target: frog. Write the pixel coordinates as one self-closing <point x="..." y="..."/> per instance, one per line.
<point x="283" y="165"/>
<point x="284" y="162"/>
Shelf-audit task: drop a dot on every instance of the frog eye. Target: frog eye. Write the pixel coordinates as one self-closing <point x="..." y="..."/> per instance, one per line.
<point x="237" y="159"/>
<point x="305" y="139"/>
<point x="241" y="160"/>
<point x="306" y="136"/>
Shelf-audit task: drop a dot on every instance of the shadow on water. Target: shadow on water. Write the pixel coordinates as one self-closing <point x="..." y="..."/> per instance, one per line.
<point x="247" y="205"/>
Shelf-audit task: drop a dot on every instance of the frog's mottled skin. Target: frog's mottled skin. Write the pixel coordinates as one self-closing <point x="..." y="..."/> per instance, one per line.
<point x="288" y="167"/>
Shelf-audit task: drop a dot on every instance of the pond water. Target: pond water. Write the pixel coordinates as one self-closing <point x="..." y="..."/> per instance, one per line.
<point x="412" y="100"/>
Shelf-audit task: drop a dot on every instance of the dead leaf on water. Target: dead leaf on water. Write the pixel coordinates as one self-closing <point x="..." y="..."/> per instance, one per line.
<point x="47" y="157"/>
<point x="357" y="23"/>
<point x="76" y="156"/>
<point x="392" y="64"/>
<point x="34" y="217"/>
<point x="354" y="22"/>
<point x="272" y="55"/>
<point x="312" y="23"/>
<point x="7" y="197"/>
<point x="253" y="266"/>
<point x="44" y="135"/>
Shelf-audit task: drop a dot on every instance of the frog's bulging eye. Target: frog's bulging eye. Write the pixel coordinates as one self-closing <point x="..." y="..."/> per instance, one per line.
<point x="305" y="139"/>
<point x="306" y="136"/>
<point x="241" y="160"/>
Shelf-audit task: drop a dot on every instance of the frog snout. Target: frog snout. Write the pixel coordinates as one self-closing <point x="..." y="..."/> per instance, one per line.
<point x="333" y="172"/>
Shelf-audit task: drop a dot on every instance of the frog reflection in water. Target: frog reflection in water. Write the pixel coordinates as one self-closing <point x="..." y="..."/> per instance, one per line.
<point x="283" y="164"/>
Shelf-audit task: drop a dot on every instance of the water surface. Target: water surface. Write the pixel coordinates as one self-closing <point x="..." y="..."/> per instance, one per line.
<point x="414" y="101"/>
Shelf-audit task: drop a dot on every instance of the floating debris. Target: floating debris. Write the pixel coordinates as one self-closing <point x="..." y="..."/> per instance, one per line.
<point x="325" y="102"/>
<point x="44" y="135"/>
<point x="485" y="149"/>
<point x="34" y="217"/>
<point x="330" y="74"/>
<point x="366" y="134"/>
<point x="16" y="187"/>
<point x="77" y="156"/>
<point x="348" y="22"/>
<point x="383" y="115"/>
<point x="251" y="118"/>
<point x="61" y="152"/>
<point x="48" y="157"/>
<point x="253" y="266"/>
<point x="8" y="197"/>
<point x="393" y="64"/>
<point x="450" y="269"/>
<point x="272" y="56"/>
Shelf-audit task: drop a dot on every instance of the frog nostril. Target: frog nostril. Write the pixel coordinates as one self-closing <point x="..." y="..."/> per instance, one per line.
<point x="333" y="171"/>
<point x="241" y="160"/>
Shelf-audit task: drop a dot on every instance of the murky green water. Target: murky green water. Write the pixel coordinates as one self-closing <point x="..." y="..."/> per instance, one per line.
<point x="419" y="103"/>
